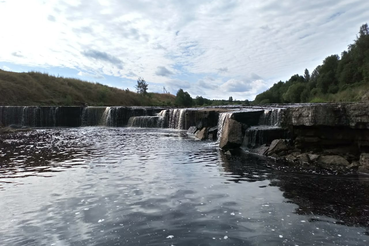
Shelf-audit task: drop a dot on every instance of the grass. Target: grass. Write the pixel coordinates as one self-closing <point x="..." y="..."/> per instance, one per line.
<point x="34" y="88"/>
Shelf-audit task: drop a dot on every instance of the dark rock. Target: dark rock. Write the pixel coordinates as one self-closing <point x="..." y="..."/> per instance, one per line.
<point x="313" y="157"/>
<point x="232" y="135"/>
<point x="364" y="163"/>
<point x="213" y="129"/>
<point x="229" y="153"/>
<point x="250" y="118"/>
<point x="258" y="135"/>
<point x="277" y="146"/>
<point x="303" y="158"/>
<point x="261" y="150"/>
<point x="212" y="133"/>
<point x="332" y="161"/>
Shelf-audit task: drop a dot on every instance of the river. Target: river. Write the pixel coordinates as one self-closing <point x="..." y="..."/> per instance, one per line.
<point x="137" y="186"/>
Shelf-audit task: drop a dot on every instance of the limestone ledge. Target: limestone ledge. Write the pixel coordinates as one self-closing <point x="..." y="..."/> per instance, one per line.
<point x="330" y="137"/>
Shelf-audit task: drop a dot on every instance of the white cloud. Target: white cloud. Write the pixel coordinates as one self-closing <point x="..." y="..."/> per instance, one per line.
<point x="92" y="75"/>
<point x="180" y="43"/>
<point x="6" y="68"/>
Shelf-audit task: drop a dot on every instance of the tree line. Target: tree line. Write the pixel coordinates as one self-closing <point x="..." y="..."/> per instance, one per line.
<point x="336" y="75"/>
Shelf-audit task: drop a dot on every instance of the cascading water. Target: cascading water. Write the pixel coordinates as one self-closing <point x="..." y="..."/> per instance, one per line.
<point x="221" y="120"/>
<point x="177" y="118"/>
<point x="145" y="121"/>
<point x="30" y="116"/>
<point x="92" y="116"/>
<point x="271" y="117"/>
<point x="106" y="117"/>
<point x="158" y="121"/>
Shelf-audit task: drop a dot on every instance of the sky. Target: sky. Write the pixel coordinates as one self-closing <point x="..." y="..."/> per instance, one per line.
<point x="214" y="49"/>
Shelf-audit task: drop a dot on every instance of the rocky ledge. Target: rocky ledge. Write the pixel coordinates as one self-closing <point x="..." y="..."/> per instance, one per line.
<point x="319" y="138"/>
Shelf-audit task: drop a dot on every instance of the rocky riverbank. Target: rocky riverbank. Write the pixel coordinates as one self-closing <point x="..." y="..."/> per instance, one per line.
<point x="318" y="138"/>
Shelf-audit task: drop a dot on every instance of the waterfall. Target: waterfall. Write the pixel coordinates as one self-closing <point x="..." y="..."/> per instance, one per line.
<point x="158" y="121"/>
<point x="106" y="117"/>
<point x="271" y="117"/>
<point x="177" y="118"/>
<point x="146" y="121"/>
<point x="259" y="135"/>
<point x="221" y="120"/>
<point x="53" y="114"/>
<point x="30" y="115"/>
<point x="92" y="116"/>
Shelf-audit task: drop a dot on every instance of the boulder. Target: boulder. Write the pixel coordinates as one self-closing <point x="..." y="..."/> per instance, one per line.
<point x="277" y="146"/>
<point x="261" y="150"/>
<point x="364" y="163"/>
<point x="212" y="133"/>
<point x="202" y="134"/>
<point x="192" y="130"/>
<point x="313" y="157"/>
<point x="329" y="161"/>
<point x="232" y="135"/>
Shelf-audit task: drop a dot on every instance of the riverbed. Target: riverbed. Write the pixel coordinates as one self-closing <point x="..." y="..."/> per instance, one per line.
<point x="140" y="186"/>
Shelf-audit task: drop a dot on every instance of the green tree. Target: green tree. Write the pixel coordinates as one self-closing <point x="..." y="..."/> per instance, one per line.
<point x="327" y="78"/>
<point x="183" y="98"/>
<point x="199" y="101"/>
<point x="307" y="75"/>
<point x="141" y="86"/>
<point x="293" y="94"/>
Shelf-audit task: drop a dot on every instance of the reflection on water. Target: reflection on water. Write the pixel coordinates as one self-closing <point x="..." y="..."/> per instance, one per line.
<point x="126" y="186"/>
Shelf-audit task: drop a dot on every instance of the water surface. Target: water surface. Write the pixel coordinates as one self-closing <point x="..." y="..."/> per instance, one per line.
<point x="132" y="186"/>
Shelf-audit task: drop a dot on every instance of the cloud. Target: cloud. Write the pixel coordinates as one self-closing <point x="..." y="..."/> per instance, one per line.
<point x="102" y="56"/>
<point x="234" y="85"/>
<point x="163" y="71"/>
<point x="223" y="70"/>
<point x="174" y="85"/>
<point x="17" y="54"/>
<point x="207" y="83"/>
<point x="92" y="75"/>
<point x="132" y="74"/>
<point x="51" y="18"/>
<point x="203" y="45"/>
<point x="6" y="68"/>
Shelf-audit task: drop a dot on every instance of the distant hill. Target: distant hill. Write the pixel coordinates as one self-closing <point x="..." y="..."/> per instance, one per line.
<point x="338" y="79"/>
<point x="34" y="88"/>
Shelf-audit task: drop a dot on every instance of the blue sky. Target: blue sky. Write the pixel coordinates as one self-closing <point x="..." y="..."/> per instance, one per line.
<point x="215" y="49"/>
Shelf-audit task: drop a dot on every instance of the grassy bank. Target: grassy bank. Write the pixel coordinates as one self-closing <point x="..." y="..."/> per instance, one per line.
<point x="34" y="88"/>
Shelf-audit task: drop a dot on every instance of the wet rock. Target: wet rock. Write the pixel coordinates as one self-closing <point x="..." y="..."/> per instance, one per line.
<point x="277" y="146"/>
<point x="202" y="134"/>
<point x="354" y="164"/>
<point x="364" y="163"/>
<point x="212" y="133"/>
<point x="232" y="135"/>
<point x="192" y="130"/>
<point x="229" y="153"/>
<point x="313" y="157"/>
<point x="261" y="150"/>
<point x="303" y="158"/>
<point x="293" y="157"/>
<point x="331" y="161"/>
